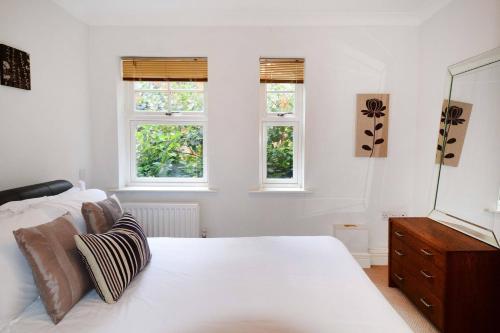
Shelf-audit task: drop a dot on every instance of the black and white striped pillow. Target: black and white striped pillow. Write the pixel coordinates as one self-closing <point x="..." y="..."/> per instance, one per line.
<point x="114" y="258"/>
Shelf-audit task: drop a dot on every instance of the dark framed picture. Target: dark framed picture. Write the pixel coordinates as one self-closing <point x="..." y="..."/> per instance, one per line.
<point x="14" y="68"/>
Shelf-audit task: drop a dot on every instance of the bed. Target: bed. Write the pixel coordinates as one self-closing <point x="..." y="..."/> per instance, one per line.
<point x="233" y="285"/>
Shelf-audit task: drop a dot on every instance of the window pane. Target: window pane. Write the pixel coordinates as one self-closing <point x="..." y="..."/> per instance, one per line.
<point x="169" y="151"/>
<point x="143" y="85"/>
<point x="280" y="102"/>
<point x="280" y="87"/>
<point x="151" y="101"/>
<point x="186" y="85"/>
<point x="187" y="101"/>
<point x="279" y="152"/>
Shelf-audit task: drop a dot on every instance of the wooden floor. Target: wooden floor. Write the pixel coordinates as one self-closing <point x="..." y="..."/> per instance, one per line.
<point x="417" y="322"/>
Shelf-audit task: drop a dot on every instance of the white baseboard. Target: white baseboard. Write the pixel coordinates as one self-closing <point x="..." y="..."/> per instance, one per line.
<point x="363" y="259"/>
<point x="379" y="256"/>
<point x="375" y="257"/>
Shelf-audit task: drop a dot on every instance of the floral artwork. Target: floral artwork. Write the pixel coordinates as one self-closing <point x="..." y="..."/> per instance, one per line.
<point x="453" y="126"/>
<point x="372" y="125"/>
<point x="14" y="68"/>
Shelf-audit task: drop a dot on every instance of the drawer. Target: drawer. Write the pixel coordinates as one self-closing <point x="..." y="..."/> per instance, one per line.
<point x="397" y="275"/>
<point x="425" y="301"/>
<point x="427" y="253"/>
<point x="426" y="274"/>
<point x="430" y="305"/>
<point x="399" y="250"/>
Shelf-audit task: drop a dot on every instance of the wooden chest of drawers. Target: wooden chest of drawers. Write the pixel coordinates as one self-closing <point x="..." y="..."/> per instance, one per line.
<point x="453" y="279"/>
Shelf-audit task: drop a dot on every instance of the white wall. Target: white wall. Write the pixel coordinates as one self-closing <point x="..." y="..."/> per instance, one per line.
<point x="340" y="62"/>
<point x="44" y="133"/>
<point x="461" y="30"/>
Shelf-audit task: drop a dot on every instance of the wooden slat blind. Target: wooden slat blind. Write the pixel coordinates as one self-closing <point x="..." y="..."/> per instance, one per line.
<point x="281" y="70"/>
<point x="165" y="69"/>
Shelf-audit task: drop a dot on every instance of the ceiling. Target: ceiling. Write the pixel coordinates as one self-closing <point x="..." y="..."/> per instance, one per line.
<point x="251" y="12"/>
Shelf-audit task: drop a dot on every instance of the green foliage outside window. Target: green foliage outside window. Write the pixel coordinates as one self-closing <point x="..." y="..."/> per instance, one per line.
<point x="280" y="97"/>
<point x="187" y="101"/>
<point x="169" y="151"/>
<point x="280" y="152"/>
<point x="151" y="101"/>
<point x="168" y="96"/>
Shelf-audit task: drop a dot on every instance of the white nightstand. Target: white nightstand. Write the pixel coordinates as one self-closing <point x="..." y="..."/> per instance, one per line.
<point x="355" y="238"/>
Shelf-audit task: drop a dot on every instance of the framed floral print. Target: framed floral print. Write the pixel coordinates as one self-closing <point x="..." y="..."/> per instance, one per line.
<point x="455" y="119"/>
<point x="372" y="125"/>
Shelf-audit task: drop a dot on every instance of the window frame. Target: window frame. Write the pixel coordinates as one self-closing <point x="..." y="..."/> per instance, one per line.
<point x="270" y="119"/>
<point x="135" y="118"/>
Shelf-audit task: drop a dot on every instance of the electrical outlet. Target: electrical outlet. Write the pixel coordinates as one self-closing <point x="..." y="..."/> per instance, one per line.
<point x="82" y="174"/>
<point x="387" y="214"/>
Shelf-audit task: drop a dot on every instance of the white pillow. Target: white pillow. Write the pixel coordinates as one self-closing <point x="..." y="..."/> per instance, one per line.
<point x="16" y="207"/>
<point x="72" y="202"/>
<point x="17" y="288"/>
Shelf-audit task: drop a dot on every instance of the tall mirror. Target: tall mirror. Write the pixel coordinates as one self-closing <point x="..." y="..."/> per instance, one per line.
<point x="468" y="150"/>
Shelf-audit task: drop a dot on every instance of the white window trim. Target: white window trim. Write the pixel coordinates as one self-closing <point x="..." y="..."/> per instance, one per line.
<point x="134" y="119"/>
<point x="296" y="120"/>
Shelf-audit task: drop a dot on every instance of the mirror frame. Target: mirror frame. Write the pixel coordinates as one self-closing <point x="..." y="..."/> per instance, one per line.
<point x="467" y="227"/>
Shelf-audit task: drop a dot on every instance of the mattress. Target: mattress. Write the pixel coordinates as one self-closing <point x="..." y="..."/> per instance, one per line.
<point x="233" y="285"/>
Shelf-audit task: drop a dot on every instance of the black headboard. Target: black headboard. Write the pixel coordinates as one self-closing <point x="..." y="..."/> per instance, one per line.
<point x="35" y="191"/>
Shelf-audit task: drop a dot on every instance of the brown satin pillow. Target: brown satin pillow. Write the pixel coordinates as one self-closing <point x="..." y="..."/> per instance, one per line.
<point x="100" y="216"/>
<point x="58" y="271"/>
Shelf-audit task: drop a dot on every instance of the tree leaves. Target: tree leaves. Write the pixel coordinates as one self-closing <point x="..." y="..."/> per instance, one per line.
<point x="439" y="147"/>
<point x="441" y="131"/>
<point x="169" y="150"/>
<point x="366" y="147"/>
<point x="279" y="152"/>
<point x="369" y="133"/>
<point x="379" y="141"/>
<point x="379" y="126"/>
<point x="452" y="140"/>
<point x="449" y="155"/>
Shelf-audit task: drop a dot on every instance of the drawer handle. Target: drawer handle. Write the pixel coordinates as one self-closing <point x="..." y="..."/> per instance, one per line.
<point x="399" y="234"/>
<point x="399" y="253"/>
<point x="426" y="252"/>
<point x="424" y="302"/>
<point x="399" y="277"/>
<point x="426" y="275"/>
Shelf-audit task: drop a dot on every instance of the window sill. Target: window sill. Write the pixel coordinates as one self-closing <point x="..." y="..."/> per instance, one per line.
<point x="185" y="189"/>
<point x="281" y="190"/>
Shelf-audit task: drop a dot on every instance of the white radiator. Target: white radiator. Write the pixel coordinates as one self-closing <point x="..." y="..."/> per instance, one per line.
<point x="166" y="219"/>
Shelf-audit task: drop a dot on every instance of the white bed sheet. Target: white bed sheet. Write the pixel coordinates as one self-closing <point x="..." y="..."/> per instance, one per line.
<point x="234" y="285"/>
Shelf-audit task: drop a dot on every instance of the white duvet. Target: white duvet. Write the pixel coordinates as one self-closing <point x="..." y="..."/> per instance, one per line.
<point x="234" y="285"/>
